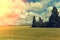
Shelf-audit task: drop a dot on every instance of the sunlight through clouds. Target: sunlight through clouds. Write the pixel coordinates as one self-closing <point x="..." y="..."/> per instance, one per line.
<point x="10" y="11"/>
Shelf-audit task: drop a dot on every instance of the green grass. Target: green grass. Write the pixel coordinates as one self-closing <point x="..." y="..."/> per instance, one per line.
<point x="30" y="34"/>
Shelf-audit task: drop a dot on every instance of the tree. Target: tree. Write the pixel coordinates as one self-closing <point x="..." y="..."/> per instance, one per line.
<point x="54" y="18"/>
<point x="40" y="22"/>
<point x="34" y="22"/>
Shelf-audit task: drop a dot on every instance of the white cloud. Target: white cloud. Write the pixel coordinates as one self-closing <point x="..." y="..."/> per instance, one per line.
<point x="29" y="15"/>
<point x="59" y="11"/>
<point x="49" y="9"/>
<point x="38" y="5"/>
<point x="28" y="18"/>
<point x="57" y="4"/>
<point x="44" y="16"/>
<point x="35" y="6"/>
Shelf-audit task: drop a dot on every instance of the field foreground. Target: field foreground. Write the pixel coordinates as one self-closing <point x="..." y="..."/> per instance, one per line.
<point x="28" y="33"/>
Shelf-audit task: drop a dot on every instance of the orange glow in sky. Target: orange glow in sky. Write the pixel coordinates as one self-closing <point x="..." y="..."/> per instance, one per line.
<point x="10" y="10"/>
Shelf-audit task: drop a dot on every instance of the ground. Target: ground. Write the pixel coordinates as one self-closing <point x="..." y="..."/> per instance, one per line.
<point x="28" y="33"/>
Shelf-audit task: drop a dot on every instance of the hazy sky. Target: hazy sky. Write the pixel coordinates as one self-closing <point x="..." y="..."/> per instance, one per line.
<point x="11" y="11"/>
<point x="20" y="12"/>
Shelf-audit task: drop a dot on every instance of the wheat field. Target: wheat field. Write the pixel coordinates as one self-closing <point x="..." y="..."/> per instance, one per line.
<point x="28" y="33"/>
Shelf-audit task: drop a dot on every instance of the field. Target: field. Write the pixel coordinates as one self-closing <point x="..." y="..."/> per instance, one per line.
<point x="28" y="33"/>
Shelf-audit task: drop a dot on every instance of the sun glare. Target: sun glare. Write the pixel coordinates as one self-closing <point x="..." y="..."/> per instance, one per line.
<point x="10" y="9"/>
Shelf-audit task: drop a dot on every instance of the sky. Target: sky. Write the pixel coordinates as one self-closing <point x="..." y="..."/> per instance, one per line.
<point x="42" y="8"/>
<point x="11" y="11"/>
<point x="21" y="12"/>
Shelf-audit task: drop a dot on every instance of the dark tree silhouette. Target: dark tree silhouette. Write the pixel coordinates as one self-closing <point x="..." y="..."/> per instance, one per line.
<point x="54" y="20"/>
<point x="34" y="22"/>
<point x="40" y="22"/>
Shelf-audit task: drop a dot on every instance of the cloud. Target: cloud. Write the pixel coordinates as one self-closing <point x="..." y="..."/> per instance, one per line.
<point x="45" y="2"/>
<point x="47" y="14"/>
<point x="38" y="5"/>
<point x="57" y="4"/>
<point x="49" y="9"/>
<point x="46" y="10"/>
<point x="28" y="19"/>
<point x="35" y="6"/>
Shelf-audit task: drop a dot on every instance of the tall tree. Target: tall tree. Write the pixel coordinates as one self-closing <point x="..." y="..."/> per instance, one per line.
<point x="34" y="22"/>
<point x="53" y="20"/>
<point x="40" y="22"/>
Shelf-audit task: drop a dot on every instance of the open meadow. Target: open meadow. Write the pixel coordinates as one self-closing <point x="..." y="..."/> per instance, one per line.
<point x="28" y="33"/>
